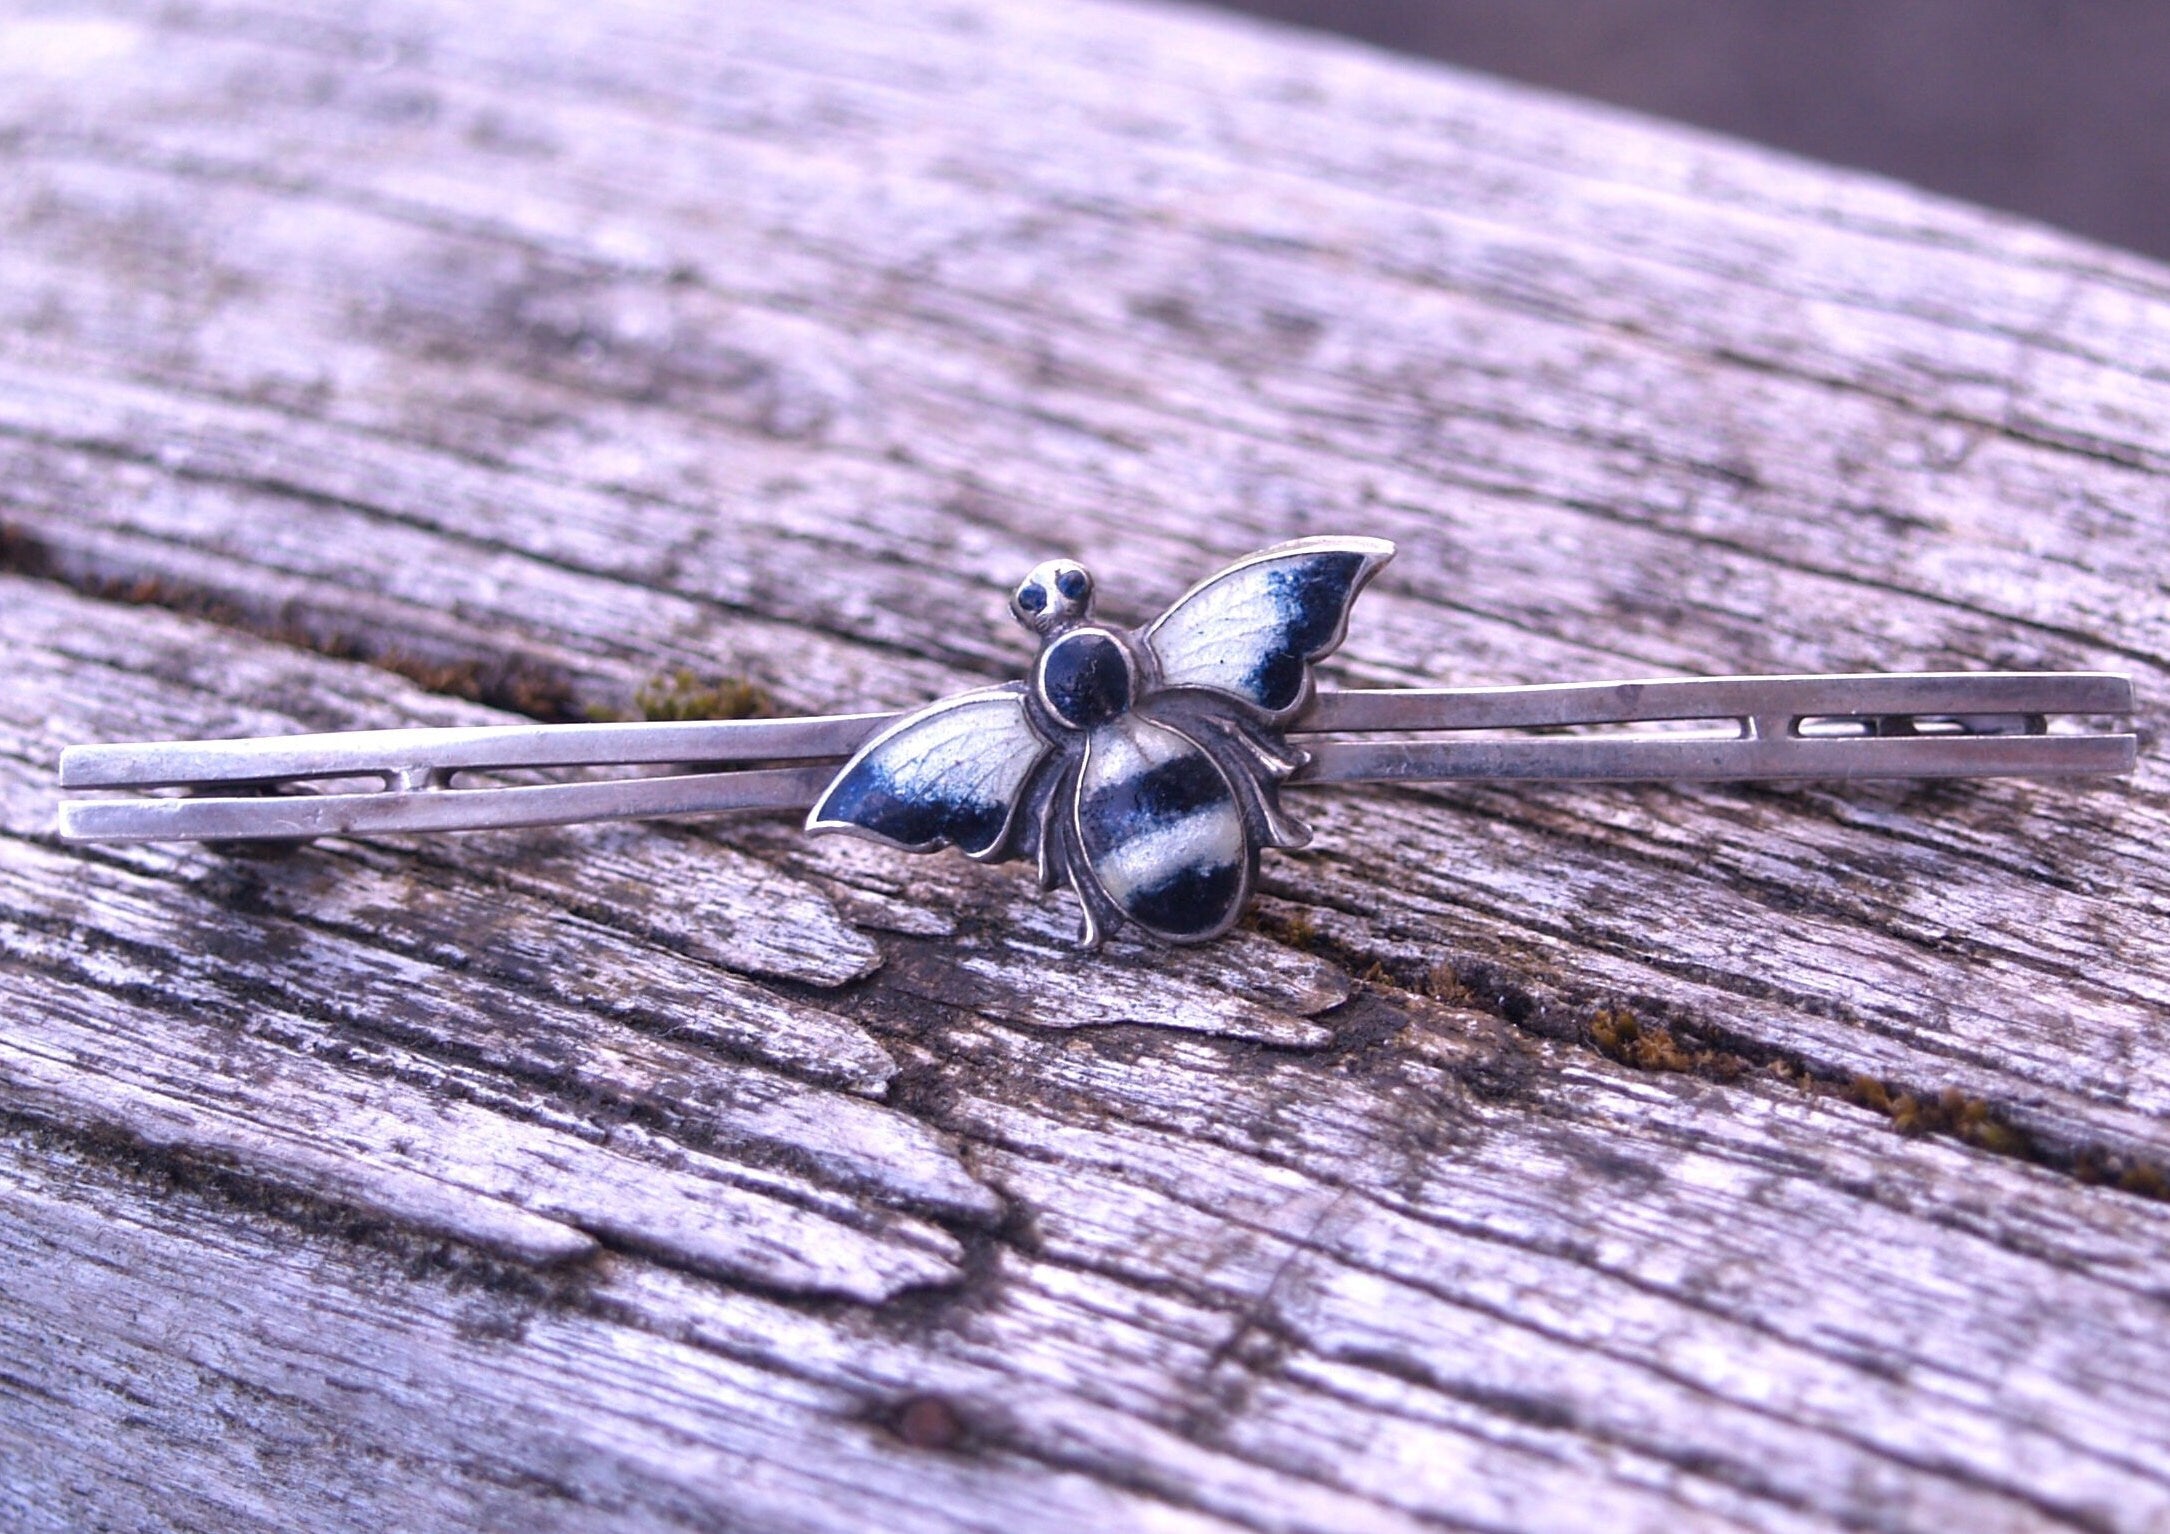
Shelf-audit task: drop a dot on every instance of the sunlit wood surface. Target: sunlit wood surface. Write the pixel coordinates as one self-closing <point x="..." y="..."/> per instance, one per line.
<point x="1606" y="1159"/>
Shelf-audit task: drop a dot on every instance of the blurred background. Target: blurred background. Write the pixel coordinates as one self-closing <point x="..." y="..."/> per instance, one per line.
<point x="2059" y="109"/>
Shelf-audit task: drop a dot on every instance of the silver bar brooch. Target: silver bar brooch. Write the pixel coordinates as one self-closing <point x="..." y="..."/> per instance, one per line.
<point x="1141" y="768"/>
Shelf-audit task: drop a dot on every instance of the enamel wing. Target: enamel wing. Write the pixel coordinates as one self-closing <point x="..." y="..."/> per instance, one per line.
<point x="1142" y="768"/>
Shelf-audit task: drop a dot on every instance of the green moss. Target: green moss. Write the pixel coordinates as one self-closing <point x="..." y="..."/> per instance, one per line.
<point x="2147" y="1181"/>
<point x="1648" y="1046"/>
<point x="1293" y="929"/>
<point x="680" y="695"/>
<point x="1442" y="983"/>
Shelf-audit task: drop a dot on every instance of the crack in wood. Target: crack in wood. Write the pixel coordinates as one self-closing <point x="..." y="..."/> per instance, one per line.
<point x="1617" y="1032"/>
<point x="507" y="680"/>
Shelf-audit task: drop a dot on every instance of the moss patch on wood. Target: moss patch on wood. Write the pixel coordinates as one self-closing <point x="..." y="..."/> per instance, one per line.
<point x="680" y="694"/>
<point x="1948" y="1112"/>
<point x="1620" y="1035"/>
<point x="511" y="681"/>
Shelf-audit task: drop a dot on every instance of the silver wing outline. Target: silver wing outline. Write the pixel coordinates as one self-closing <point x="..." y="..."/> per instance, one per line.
<point x="950" y="774"/>
<point x="1252" y="630"/>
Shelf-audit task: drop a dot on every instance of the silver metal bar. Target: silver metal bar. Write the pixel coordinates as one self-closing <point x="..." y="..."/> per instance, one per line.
<point x="287" y="816"/>
<point x="1360" y="710"/>
<point x="1616" y="759"/>
<point x="1963" y="724"/>
<point x="390" y="753"/>
<point x="1993" y="719"/>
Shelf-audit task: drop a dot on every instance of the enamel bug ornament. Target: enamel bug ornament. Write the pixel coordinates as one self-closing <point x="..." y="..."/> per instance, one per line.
<point x="1143" y="768"/>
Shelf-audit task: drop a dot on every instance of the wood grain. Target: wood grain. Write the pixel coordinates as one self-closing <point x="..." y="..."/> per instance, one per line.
<point x="1630" y="1158"/>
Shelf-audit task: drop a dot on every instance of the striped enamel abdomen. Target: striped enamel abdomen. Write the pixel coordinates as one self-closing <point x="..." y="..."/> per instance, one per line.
<point x="1160" y="829"/>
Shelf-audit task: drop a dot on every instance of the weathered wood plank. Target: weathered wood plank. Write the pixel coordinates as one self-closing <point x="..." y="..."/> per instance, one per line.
<point x="1629" y="1158"/>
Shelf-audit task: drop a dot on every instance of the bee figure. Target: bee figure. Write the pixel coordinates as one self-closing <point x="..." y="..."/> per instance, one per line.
<point x="1143" y="769"/>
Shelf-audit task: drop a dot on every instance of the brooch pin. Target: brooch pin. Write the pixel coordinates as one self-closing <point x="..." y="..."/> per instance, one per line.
<point x="1144" y="769"/>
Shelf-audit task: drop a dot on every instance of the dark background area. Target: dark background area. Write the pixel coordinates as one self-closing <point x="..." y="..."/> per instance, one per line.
<point x="2055" y="108"/>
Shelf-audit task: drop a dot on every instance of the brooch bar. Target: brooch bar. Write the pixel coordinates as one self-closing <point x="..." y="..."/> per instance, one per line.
<point x="1956" y="724"/>
<point x="1740" y="759"/>
<point x="391" y="754"/>
<point x="298" y="816"/>
<point x="1664" y="699"/>
<point x="1142" y="768"/>
<point x="1888" y="725"/>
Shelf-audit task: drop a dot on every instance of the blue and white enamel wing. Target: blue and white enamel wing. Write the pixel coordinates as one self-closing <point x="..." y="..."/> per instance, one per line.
<point x="1141" y="768"/>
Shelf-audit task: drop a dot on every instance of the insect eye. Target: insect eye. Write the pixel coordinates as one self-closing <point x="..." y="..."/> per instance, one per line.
<point x="1032" y="596"/>
<point x="1073" y="584"/>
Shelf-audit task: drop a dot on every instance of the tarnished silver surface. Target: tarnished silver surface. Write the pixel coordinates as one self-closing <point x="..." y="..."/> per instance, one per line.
<point x="434" y="754"/>
<point x="1903" y="725"/>
<point x="1982" y="720"/>
<point x="286" y="816"/>
<point x="1657" y="700"/>
<point x="1222" y="684"/>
